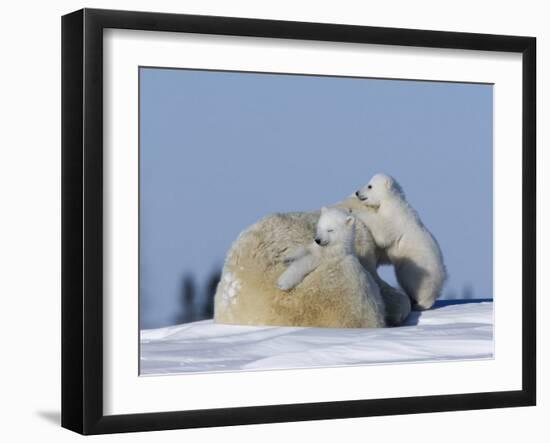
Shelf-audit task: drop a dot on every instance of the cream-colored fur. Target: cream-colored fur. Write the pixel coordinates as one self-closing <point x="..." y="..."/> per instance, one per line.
<point x="333" y="288"/>
<point x="402" y="238"/>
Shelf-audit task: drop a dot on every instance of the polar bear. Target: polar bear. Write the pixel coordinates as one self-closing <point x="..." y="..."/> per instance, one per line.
<point x="402" y="237"/>
<point x="324" y="284"/>
<point x="256" y="259"/>
<point x="334" y="238"/>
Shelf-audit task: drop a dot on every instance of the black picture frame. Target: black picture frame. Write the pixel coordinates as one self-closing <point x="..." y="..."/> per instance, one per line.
<point x="82" y="220"/>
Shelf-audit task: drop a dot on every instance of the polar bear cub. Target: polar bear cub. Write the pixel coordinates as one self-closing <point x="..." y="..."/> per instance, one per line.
<point x="335" y="237"/>
<point x="406" y="242"/>
<point x="333" y="254"/>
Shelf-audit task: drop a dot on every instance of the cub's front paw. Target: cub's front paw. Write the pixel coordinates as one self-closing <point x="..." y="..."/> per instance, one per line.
<point x="283" y="284"/>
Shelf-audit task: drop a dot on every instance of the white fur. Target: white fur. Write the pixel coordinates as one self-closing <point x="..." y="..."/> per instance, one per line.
<point x="301" y="269"/>
<point x="335" y="236"/>
<point x="402" y="237"/>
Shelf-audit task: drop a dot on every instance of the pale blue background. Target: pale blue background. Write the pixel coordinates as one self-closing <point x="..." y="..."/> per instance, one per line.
<point x="218" y="150"/>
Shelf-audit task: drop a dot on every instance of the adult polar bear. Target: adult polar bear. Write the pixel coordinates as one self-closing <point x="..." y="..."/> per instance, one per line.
<point x="325" y="284"/>
<point x="404" y="240"/>
<point x="256" y="259"/>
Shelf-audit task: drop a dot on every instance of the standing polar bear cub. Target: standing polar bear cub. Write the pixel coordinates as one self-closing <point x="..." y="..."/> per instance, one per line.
<point x="405" y="241"/>
<point x="324" y="284"/>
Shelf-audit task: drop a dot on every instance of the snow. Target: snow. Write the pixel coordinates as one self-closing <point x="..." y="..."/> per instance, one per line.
<point x="230" y="286"/>
<point x="451" y="330"/>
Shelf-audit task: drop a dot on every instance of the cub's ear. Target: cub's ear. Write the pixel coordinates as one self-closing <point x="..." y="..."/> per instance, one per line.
<point x="350" y="220"/>
<point x="324" y="209"/>
<point x="389" y="182"/>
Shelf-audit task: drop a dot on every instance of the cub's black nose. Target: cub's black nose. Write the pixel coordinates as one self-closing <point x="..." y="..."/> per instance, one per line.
<point x="357" y="193"/>
<point x="318" y="241"/>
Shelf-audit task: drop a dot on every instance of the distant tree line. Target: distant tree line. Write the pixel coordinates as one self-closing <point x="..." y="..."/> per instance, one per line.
<point x="196" y="303"/>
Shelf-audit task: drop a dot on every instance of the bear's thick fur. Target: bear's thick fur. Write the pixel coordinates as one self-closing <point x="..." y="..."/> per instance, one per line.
<point x="402" y="238"/>
<point x="327" y="285"/>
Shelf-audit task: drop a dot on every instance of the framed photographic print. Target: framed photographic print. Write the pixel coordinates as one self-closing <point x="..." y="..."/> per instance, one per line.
<point x="269" y="221"/>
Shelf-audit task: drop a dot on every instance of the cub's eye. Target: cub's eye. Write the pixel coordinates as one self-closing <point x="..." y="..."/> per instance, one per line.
<point x="369" y="186"/>
<point x="330" y="230"/>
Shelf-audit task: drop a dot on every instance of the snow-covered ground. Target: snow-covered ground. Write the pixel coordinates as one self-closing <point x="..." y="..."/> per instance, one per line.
<point x="450" y="330"/>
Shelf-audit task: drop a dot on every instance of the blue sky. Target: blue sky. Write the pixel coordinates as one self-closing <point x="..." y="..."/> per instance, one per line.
<point x="218" y="150"/>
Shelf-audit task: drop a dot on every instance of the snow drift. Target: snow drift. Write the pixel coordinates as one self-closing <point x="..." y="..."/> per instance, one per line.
<point x="450" y="330"/>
